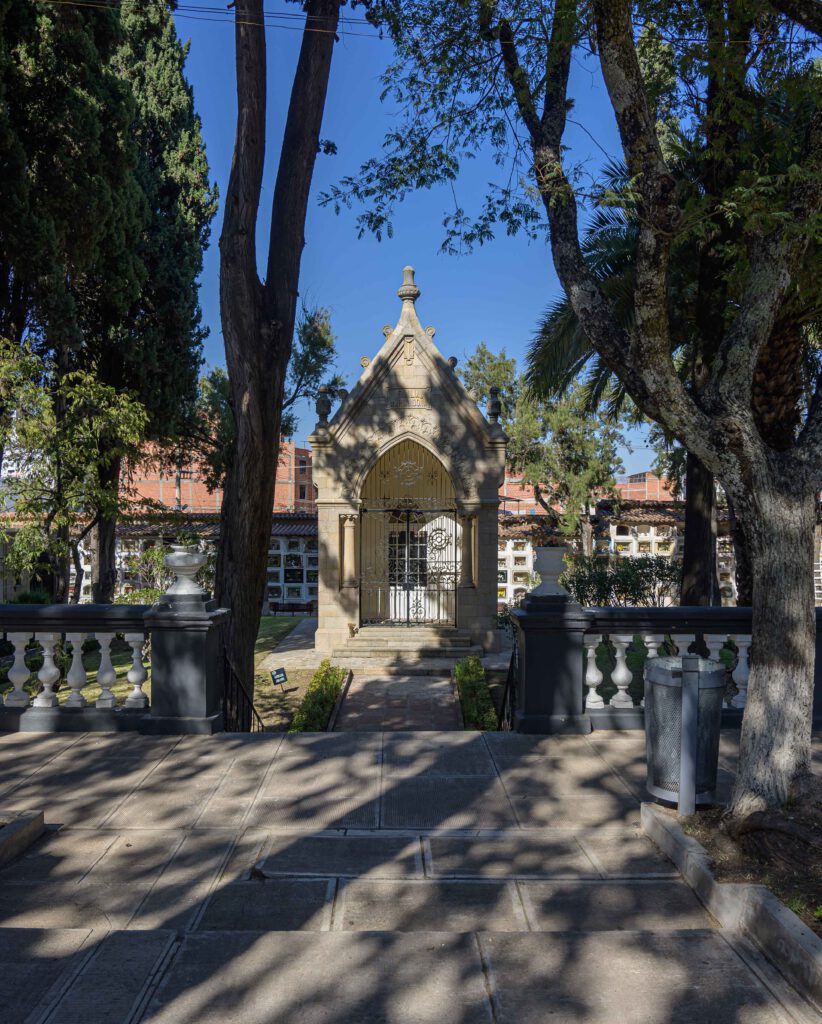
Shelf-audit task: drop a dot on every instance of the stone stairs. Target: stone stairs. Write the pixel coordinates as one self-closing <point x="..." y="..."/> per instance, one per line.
<point x="401" y="650"/>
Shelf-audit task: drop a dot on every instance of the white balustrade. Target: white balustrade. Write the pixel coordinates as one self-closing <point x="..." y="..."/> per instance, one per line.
<point x="19" y="672"/>
<point x="593" y="675"/>
<point x="715" y="642"/>
<point x="653" y="642"/>
<point x="76" y="677"/>
<point x="621" y="675"/>
<point x="48" y="674"/>
<point x="106" y="675"/>
<point x="741" y="672"/>
<point x="137" y="674"/>
<point x="683" y="641"/>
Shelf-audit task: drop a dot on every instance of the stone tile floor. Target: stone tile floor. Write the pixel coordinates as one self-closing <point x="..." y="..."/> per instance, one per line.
<point x="399" y="703"/>
<point x="357" y="878"/>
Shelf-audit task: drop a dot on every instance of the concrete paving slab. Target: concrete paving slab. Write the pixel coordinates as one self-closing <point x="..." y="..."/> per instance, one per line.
<point x="69" y="905"/>
<point x="556" y="777"/>
<point x="536" y="806"/>
<point x="454" y="906"/>
<point x="378" y="856"/>
<point x="114" y="980"/>
<point x="446" y="802"/>
<point x="136" y="857"/>
<point x="302" y="978"/>
<point x="172" y="797"/>
<point x="249" y="847"/>
<point x="185" y="882"/>
<point x="519" y="855"/>
<point x="630" y="977"/>
<point x="514" y="744"/>
<point x="272" y="904"/>
<point x="612" y="906"/>
<point x="315" y="802"/>
<point x="626" y="855"/>
<point x="58" y="856"/>
<point x="436" y="753"/>
<point x="32" y="963"/>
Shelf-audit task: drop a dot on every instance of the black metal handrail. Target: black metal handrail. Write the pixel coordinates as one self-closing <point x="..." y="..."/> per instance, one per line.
<point x="673" y="619"/>
<point x="239" y="712"/>
<point x="508" y="707"/>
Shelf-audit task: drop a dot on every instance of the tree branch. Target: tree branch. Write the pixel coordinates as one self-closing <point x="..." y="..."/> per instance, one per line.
<point x="808" y="13"/>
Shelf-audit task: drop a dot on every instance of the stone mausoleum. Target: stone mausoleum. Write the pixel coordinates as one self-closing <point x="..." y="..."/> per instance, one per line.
<point x="408" y="472"/>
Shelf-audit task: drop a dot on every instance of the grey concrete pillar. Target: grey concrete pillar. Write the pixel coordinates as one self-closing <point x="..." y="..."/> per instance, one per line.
<point x="187" y="654"/>
<point x="549" y="634"/>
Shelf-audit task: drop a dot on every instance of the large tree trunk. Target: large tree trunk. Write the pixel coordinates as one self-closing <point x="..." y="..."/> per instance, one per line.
<point x="104" y="544"/>
<point x="699" y="581"/>
<point x="775" y="745"/>
<point x="258" y="319"/>
<point x="742" y="562"/>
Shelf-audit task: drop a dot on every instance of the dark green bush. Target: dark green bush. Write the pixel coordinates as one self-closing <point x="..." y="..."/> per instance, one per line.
<point x="315" y="708"/>
<point x="31" y="597"/>
<point x="477" y="707"/>
<point x="600" y="582"/>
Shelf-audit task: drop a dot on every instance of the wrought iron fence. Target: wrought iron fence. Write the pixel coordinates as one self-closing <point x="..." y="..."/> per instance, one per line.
<point x="505" y="719"/>
<point x="239" y="713"/>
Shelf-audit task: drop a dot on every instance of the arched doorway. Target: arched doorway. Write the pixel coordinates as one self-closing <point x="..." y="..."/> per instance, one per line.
<point x="409" y="540"/>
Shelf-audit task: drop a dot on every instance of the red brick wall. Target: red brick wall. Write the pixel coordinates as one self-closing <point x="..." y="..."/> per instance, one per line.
<point x="645" y="487"/>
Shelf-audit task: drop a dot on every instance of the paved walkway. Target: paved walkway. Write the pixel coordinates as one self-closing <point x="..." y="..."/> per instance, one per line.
<point x="356" y="878"/>
<point x="399" y="704"/>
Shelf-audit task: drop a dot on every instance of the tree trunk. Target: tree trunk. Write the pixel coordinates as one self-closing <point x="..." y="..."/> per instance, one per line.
<point x="77" y="589"/>
<point x="104" y="544"/>
<point x="742" y="563"/>
<point x="775" y="745"/>
<point x="699" y="580"/>
<point x="258" y="319"/>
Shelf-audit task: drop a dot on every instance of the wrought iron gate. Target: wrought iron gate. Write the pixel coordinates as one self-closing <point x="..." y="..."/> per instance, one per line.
<point x="408" y="566"/>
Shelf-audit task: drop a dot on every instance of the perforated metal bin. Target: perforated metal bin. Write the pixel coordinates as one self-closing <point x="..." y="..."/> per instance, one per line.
<point x="682" y="737"/>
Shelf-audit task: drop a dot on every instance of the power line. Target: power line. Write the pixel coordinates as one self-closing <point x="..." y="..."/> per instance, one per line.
<point x="222" y="16"/>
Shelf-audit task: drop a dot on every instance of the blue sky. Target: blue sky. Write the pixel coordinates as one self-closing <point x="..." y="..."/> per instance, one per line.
<point x="493" y="295"/>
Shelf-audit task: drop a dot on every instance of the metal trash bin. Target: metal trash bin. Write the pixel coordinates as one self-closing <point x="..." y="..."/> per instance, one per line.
<point x="683" y="714"/>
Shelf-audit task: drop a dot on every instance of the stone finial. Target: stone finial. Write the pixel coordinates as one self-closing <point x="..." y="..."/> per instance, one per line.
<point x="323" y="405"/>
<point x="365" y="362"/>
<point x="494" y="405"/>
<point x="430" y="331"/>
<point x="452" y="362"/>
<point x="387" y="331"/>
<point x="408" y="291"/>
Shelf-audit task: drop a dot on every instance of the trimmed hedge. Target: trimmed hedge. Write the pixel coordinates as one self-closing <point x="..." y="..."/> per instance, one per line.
<point x="314" y="711"/>
<point x="478" y="710"/>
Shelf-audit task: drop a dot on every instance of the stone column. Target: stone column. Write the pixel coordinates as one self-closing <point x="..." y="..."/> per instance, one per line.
<point x="349" y="554"/>
<point x="467" y="552"/>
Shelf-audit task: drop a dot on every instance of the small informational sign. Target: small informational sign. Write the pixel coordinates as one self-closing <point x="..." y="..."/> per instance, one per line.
<point x="278" y="677"/>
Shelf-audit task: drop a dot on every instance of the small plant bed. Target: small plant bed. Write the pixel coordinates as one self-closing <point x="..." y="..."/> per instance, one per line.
<point x="314" y="711"/>
<point x="478" y="710"/>
<point x="276" y="704"/>
<point x="781" y="851"/>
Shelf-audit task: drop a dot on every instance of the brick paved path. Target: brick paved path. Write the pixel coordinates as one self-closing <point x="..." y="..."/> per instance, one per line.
<point x="399" y="703"/>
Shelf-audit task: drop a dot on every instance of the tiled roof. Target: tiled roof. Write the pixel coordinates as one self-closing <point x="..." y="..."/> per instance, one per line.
<point x="653" y="513"/>
<point x="540" y="530"/>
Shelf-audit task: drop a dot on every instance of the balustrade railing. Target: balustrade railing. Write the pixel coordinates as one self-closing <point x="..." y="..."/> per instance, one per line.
<point x="673" y="630"/>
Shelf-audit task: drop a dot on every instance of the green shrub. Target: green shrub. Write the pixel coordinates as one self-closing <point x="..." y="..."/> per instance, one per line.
<point x="319" y="699"/>
<point x="31" y="597"/>
<point x="477" y="707"/>
<point x="145" y="595"/>
<point x="600" y="582"/>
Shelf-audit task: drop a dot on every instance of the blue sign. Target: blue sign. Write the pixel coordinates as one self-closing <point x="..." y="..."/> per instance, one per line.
<point x="278" y="676"/>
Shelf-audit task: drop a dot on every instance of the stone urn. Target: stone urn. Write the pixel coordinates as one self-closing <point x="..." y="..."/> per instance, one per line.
<point x="185" y="561"/>
<point x="549" y="564"/>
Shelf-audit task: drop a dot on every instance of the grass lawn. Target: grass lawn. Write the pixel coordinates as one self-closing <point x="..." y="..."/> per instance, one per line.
<point x="272" y="630"/>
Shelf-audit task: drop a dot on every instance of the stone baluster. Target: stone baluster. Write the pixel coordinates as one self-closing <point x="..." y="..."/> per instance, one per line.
<point x="76" y="677"/>
<point x="593" y="675"/>
<point x="653" y="641"/>
<point x="48" y="674"/>
<point x="621" y="675"/>
<point x="683" y="641"/>
<point x="715" y="642"/>
<point x="106" y="675"/>
<point x="137" y="674"/>
<point x="741" y="672"/>
<point x="19" y="672"/>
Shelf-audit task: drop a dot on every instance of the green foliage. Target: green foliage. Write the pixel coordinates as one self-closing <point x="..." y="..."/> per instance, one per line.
<point x="143" y="595"/>
<point x="314" y="712"/>
<point x="55" y="490"/>
<point x="31" y="597"/>
<point x="483" y="370"/>
<point x="477" y="708"/>
<point x="599" y="582"/>
<point x="211" y="433"/>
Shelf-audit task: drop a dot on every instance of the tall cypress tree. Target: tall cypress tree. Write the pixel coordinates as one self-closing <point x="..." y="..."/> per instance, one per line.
<point x="156" y="349"/>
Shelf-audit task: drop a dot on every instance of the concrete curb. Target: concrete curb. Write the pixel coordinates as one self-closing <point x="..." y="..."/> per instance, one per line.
<point x="332" y="721"/>
<point x="20" y="829"/>
<point x="752" y="910"/>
